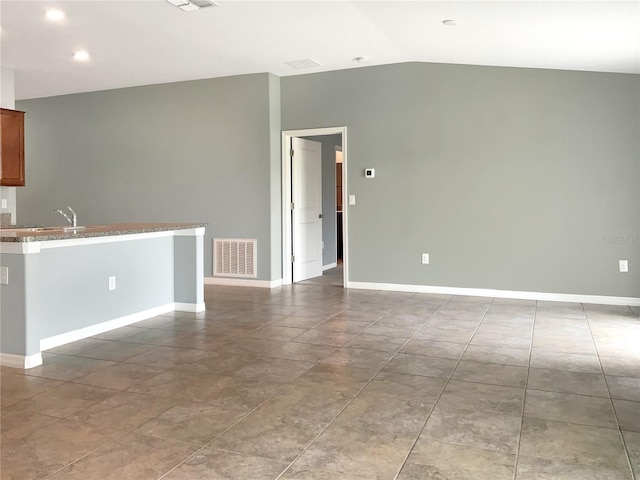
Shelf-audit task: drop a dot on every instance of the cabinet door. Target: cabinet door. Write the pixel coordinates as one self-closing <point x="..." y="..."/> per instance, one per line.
<point x="12" y="152"/>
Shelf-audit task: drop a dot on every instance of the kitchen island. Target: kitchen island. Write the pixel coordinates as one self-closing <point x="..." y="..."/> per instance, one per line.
<point x="60" y="285"/>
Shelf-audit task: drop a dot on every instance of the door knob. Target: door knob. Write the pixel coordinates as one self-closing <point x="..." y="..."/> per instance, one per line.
<point x="320" y="215"/>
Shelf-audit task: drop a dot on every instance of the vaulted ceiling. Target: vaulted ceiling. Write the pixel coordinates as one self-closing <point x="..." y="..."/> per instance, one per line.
<point x="145" y="42"/>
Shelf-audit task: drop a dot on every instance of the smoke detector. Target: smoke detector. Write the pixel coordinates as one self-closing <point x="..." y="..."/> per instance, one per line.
<point x="191" y="5"/>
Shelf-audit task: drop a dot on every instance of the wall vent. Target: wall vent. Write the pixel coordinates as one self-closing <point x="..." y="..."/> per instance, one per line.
<point x="235" y="257"/>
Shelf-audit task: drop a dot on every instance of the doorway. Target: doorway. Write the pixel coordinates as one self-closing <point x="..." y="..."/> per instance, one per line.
<point x="297" y="224"/>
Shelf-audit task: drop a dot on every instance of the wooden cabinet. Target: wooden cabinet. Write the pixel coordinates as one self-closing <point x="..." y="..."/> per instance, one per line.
<point x="12" y="153"/>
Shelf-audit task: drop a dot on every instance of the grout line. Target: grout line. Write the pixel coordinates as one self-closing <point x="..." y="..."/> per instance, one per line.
<point x="207" y="445"/>
<point x="364" y="386"/>
<point x="526" y="389"/>
<point x="613" y="409"/>
<point x="448" y="380"/>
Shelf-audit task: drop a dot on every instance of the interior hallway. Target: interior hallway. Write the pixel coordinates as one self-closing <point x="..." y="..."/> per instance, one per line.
<point x="318" y="382"/>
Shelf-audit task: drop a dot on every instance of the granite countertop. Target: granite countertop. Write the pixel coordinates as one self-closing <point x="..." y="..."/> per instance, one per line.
<point x="58" y="233"/>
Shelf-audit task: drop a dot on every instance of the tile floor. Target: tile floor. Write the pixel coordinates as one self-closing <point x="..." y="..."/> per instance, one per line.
<point x="317" y="382"/>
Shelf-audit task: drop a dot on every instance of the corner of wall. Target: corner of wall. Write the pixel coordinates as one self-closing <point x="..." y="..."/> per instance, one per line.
<point x="275" y="127"/>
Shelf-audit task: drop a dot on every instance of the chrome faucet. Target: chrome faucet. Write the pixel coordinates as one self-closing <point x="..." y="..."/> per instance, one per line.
<point x="73" y="221"/>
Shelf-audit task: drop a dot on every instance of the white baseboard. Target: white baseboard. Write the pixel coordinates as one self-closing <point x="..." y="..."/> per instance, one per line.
<point x="242" y="282"/>
<point x="64" y="338"/>
<point x="483" y="292"/>
<point x="190" y="307"/>
<point x="329" y="266"/>
<point x="20" y="361"/>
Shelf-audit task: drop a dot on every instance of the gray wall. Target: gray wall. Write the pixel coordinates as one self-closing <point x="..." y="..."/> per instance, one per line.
<point x="329" y="143"/>
<point x="514" y="179"/>
<point x="191" y="151"/>
<point x="510" y="178"/>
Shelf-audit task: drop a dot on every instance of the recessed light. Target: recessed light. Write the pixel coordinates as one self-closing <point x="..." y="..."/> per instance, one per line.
<point x="450" y="23"/>
<point x="81" y="56"/>
<point x="55" y="15"/>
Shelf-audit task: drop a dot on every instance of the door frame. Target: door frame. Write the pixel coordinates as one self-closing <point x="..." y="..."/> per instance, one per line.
<point x="287" y="269"/>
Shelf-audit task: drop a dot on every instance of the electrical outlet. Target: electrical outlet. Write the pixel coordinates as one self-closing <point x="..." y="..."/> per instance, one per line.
<point x="112" y="283"/>
<point x="624" y="266"/>
<point x="425" y="259"/>
<point x="5" y="204"/>
<point x="4" y="275"/>
<point x="352" y="199"/>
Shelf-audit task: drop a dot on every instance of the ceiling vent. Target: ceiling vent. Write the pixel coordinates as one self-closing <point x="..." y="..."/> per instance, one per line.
<point x="304" y="63"/>
<point x="191" y="5"/>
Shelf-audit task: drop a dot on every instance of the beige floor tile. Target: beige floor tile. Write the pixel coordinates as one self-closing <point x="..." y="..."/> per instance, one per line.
<point x="273" y="370"/>
<point x="566" y="407"/>
<point x="232" y="376"/>
<point x="16" y="423"/>
<point x="434" y="349"/>
<point x="628" y="414"/>
<point x="444" y="335"/>
<point x="632" y="442"/>
<point x="592" y="384"/>
<point x="494" y="354"/>
<point x="420" y="365"/>
<point x="68" y="368"/>
<point x="565" y="361"/>
<point x="297" y="472"/>
<point x="405" y="387"/>
<point x="214" y="362"/>
<point x="531" y="468"/>
<point x="357" y="357"/>
<point x="216" y="464"/>
<point x="65" y="400"/>
<point x="124" y="411"/>
<point x="621" y="366"/>
<point x="181" y="384"/>
<point x="572" y="443"/>
<point x="388" y="416"/>
<point x="488" y="431"/>
<point x="192" y="423"/>
<point x="379" y="343"/>
<point x="50" y="448"/>
<point x="302" y="351"/>
<point x="120" y="376"/>
<point x="491" y="373"/>
<point x="274" y="332"/>
<point x="431" y="459"/>
<point x="17" y="387"/>
<point x="624" y="388"/>
<point x="468" y="396"/>
<point x="346" y="451"/>
<point x="132" y="457"/>
<point x="245" y="345"/>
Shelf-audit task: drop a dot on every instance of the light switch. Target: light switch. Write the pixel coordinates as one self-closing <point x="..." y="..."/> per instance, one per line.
<point x="4" y="203"/>
<point x="4" y="275"/>
<point x="352" y="199"/>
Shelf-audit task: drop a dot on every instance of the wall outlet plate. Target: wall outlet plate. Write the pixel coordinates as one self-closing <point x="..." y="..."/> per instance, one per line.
<point x="425" y="259"/>
<point x="4" y="275"/>
<point x="624" y="266"/>
<point x="352" y="199"/>
<point x="112" y="283"/>
<point x="5" y="204"/>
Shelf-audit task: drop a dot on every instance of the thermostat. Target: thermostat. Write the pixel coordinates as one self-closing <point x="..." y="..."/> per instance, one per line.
<point x="369" y="173"/>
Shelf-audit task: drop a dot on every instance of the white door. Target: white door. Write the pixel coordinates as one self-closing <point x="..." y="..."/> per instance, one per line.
<point x="306" y="176"/>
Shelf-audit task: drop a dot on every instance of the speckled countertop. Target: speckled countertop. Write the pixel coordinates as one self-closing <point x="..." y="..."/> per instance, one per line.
<point x="59" y="233"/>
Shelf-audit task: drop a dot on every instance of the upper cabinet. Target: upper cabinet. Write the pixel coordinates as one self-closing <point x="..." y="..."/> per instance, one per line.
<point x="12" y="152"/>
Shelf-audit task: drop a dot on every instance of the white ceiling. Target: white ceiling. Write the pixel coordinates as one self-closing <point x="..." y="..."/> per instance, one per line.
<point x="146" y="42"/>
